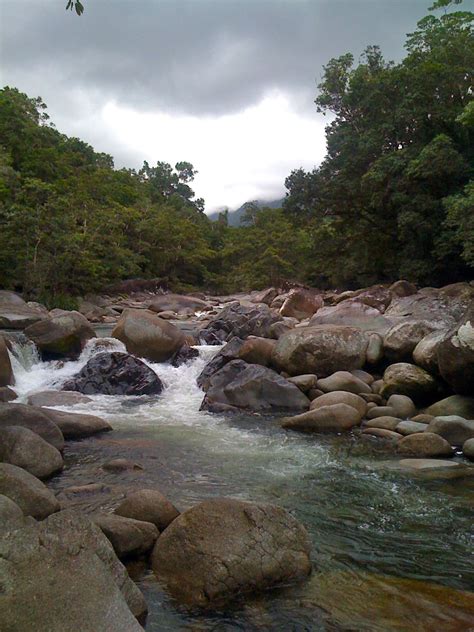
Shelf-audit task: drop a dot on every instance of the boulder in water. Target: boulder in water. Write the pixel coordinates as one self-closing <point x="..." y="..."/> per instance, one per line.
<point x="148" y="336"/>
<point x="29" y="493"/>
<point x="252" y="387"/>
<point x="57" y="398"/>
<point x="183" y="355"/>
<point x="333" y="418"/>
<point x="223" y="548"/>
<point x="454" y="429"/>
<point x="115" y="374"/>
<point x="424" y="444"/>
<point x="240" y="321"/>
<point x="128" y="537"/>
<point x="62" y="336"/>
<point x="76" y="425"/>
<point x="148" y="505"/>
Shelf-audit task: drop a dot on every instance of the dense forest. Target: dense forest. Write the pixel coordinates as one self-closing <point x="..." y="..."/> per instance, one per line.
<point x="393" y="198"/>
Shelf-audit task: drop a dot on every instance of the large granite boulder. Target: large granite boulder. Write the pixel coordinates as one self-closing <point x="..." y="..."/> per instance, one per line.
<point x="454" y="429"/>
<point x="115" y="374"/>
<point x="241" y="321"/>
<point x="424" y="444"/>
<point x="6" y="371"/>
<point x="425" y="354"/>
<point x="340" y="397"/>
<point x="15" y="313"/>
<point x="223" y="548"/>
<point x="410" y="380"/>
<point x="29" y="493"/>
<point x="61" y="575"/>
<point x="321" y="350"/>
<point x="177" y="303"/>
<point x="400" y="341"/>
<point x="146" y="335"/>
<point x="252" y="387"/>
<point x="377" y="296"/>
<point x="57" y="398"/>
<point x="460" y="405"/>
<point x="456" y="354"/>
<point x="302" y="303"/>
<point x="62" y="336"/>
<point x="229" y="352"/>
<point x="21" y="447"/>
<point x="353" y="313"/>
<point x="35" y="419"/>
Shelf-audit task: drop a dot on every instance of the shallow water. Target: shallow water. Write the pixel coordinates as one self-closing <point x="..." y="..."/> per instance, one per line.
<point x="391" y="552"/>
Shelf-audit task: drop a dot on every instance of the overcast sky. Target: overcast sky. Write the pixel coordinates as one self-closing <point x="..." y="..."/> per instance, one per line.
<point x="228" y="85"/>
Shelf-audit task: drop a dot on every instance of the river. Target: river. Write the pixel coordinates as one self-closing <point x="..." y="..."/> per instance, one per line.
<point x="390" y="551"/>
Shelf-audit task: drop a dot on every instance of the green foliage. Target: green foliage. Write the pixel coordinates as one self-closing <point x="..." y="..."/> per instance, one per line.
<point x="392" y="198"/>
<point x="76" y="5"/>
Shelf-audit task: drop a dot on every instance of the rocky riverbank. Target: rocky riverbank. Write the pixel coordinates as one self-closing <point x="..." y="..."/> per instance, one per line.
<point x="392" y="366"/>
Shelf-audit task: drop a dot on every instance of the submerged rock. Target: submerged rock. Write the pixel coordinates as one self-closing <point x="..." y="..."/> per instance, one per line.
<point x="252" y="387"/>
<point x="223" y="547"/>
<point x="115" y="374"/>
<point x="62" y="336"/>
<point x="148" y="336"/>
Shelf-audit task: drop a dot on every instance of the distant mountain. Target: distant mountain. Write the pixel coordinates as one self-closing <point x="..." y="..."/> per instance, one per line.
<point x="236" y="215"/>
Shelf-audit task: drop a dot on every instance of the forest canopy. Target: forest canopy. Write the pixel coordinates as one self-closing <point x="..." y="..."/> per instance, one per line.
<point x="393" y="198"/>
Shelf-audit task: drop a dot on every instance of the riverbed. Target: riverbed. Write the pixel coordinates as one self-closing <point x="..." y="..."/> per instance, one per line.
<point x="390" y="551"/>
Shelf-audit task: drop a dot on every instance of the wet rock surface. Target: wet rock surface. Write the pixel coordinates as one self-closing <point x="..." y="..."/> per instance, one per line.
<point x="115" y="374"/>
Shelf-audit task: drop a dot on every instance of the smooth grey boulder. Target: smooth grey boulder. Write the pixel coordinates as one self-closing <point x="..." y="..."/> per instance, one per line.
<point x="75" y="425"/>
<point x="177" y="303"/>
<point x="353" y="313"/>
<point x="408" y="427"/>
<point x="34" y="419"/>
<point x="146" y="335"/>
<point x="340" y="397"/>
<point x="57" y="398"/>
<point x="115" y="373"/>
<point x="454" y="429"/>
<point x="343" y="381"/>
<point x="61" y="575"/>
<point x="148" y="505"/>
<point x="252" y="387"/>
<point x="222" y="548"/>
<point x="425" y="354"/>
<point x="334" y="418"/>
<point x="62" y="336"/>
<point x="402" y="405"/>
<point x="24" y="448"/>
<point x="304" y="382"/>
<point x="382" y="433"/>
<point x="28" y="492"/>
<point x="129" y="537"/>
<point x="321" y="350"/>
<point x="459" y="405"/>
<point x="468" y="449"/>
<point x="385" y="423"/>
<point x="400" y="341"/>
<point x="424" y="444"/>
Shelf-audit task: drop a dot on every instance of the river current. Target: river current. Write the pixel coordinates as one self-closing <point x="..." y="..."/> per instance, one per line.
<point x="390" y="551"/>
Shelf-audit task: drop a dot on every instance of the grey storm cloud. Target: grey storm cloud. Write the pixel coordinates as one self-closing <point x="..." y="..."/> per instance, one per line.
<point x="200" y="57"/>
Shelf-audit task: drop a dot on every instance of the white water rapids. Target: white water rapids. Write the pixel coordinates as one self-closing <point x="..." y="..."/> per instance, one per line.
<point x="369" y="526"/>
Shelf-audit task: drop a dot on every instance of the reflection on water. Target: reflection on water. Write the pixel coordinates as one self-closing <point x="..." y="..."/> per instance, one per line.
<point x="391" y="552"/>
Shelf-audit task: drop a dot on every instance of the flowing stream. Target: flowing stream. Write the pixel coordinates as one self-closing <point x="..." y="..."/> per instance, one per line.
<point x="391" y="551"/>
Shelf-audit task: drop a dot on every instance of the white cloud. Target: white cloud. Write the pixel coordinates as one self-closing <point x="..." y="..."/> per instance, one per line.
<point x="240" y="157"/>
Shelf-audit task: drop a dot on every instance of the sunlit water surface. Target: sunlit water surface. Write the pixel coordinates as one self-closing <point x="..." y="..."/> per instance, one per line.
<point x="391" y="552"/>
